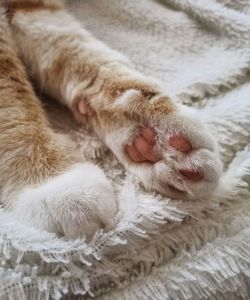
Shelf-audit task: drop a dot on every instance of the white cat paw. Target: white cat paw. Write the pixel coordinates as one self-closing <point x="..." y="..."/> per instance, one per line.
<point x="173" y="154"/>
<point x="164" y="144"/>
<point x="75" y="204"/>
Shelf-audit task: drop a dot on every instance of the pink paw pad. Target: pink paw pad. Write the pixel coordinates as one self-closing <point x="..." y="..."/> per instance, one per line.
<point x="84" y="108"/>
<point x="180" y="144"/>
<point x="143" y="150"/>
<point x="81" y="110"/>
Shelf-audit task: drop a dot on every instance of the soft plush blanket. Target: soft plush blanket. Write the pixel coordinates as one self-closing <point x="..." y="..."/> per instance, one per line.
<point x="161" y="248"/>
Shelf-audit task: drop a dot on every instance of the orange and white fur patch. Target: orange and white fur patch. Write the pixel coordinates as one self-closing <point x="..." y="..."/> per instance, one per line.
<point x="163" y="143"/>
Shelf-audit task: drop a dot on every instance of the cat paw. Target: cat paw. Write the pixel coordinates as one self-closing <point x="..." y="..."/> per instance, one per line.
<point x="164" y="144"/>
<point x="173" y="154"/>
<point x="74" y="204"/>
<point x="167" y="147"/>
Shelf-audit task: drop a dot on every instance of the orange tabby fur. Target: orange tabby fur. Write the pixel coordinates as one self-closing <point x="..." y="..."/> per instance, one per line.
<point x="29" y="151"/>
<point x="74" y="68"/>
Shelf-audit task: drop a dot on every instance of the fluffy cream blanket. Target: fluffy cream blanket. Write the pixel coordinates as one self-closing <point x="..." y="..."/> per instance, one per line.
<point x="160" y="248"/>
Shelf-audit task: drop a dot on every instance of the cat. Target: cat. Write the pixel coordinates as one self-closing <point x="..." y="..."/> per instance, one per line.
<point x="163" y="143"/>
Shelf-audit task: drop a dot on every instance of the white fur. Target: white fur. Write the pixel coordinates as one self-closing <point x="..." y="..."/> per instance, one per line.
<point x="126" y="98"/>
<point x="76" y="203"/>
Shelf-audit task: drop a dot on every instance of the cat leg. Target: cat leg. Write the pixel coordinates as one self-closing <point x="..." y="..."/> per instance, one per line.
<point x="164" y="144"/>
<point x="41" y="182"/>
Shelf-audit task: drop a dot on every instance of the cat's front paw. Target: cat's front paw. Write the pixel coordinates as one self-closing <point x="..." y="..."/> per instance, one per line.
<point x="174" y="153"/>
<point x="164" y="144"/>
<point x="75" y="204"/>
